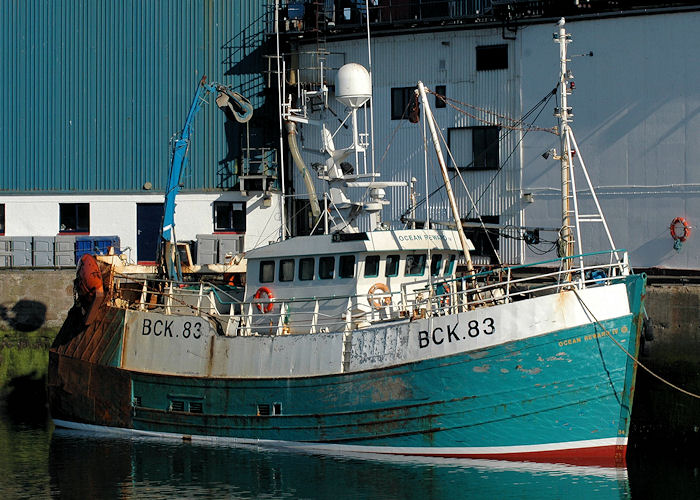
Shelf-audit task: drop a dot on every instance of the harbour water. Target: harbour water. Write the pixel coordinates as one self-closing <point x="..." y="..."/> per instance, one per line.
<point x="39" y="461"/>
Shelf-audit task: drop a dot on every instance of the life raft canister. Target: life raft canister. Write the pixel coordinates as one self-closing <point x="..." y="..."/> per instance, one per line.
<point x="268" y="297"/>
<point x="377" y="303"/>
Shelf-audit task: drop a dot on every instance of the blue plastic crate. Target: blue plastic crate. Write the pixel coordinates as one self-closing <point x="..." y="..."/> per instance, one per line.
<point x="103" y="243"/>
<point x="83" y="245"/>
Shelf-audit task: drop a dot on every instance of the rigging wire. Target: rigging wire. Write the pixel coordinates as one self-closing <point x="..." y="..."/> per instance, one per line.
<point x="542" y="102"/>
<point x="631" y="356"/>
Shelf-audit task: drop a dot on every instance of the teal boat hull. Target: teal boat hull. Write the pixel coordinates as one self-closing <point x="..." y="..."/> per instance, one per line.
<point x="562" y="396"/>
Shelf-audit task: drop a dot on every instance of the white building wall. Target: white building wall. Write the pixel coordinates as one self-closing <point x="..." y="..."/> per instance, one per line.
<point x="35" y="215"/>
<point x="636" y="120"/>
<point x="636" y="108"/>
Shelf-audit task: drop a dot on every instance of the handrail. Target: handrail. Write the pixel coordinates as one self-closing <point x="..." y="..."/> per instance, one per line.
<point x="349" y="312"/>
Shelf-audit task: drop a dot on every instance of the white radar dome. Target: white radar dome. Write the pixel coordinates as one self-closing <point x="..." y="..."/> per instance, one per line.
<point x="352" y="85"/>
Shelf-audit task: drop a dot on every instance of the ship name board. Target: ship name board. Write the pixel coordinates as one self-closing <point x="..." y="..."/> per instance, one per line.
<point x="421" y="237"/>
<point x="169" y="329"/>
<point x="451" y="333"/>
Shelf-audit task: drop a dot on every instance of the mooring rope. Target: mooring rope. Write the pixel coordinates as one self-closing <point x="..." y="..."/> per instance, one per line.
<point x="633" y="358"/>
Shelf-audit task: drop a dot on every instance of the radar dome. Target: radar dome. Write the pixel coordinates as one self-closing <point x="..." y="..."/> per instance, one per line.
<point x="352" y="85"/>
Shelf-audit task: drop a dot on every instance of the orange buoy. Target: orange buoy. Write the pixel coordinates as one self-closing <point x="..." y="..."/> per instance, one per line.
<point x="680" y="222"/>
<point x="258" y="295"/>
<point x="376" y="303"/>
<point x="88" y="276"/>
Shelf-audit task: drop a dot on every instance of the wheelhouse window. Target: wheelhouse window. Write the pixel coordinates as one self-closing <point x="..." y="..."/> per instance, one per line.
<point x="392" y="266"/>
<point x="229" y="216"/>
<point x="267" y="271"/>
<point x="474" y="147"/>
<point x="74" y="217"/>
<point x="326" y="268"/>
<point x="2" y="218"/>
<point x="306" y="269"/>
<point x="415" y="265"/>
<point x="286" y="269"/>
<point x="435" y="264"/>
<point x="491" y="57"/>
<point x="346" y="267"/>
<point x="449" y="265"/>
<point x="404" y="102"/>
<point x="371" y="266"/>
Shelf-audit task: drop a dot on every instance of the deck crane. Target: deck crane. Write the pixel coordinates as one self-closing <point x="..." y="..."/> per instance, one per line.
<point x="233" y="104"/>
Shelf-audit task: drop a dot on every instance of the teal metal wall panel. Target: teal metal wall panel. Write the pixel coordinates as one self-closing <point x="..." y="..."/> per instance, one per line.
<point x="93" y="90"/>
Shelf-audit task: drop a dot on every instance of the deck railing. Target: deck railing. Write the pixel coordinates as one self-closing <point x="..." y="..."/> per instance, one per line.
<point x="343" y="313"/>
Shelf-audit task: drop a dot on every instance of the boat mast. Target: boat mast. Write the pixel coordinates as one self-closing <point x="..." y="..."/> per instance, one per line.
<point x="445" y="178"/>
<point x="564" y="115"/>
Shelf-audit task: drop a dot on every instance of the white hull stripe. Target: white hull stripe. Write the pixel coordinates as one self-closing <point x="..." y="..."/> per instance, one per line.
<point x="397" y="450"/>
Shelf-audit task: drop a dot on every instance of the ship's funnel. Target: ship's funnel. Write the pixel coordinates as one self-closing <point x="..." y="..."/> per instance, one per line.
<point x="352" y="85"/>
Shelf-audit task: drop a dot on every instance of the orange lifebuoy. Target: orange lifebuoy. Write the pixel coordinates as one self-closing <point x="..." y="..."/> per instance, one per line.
<point x="377" y="304"/>
<point x="258" y="295"/>
<point x="686" y="229"/>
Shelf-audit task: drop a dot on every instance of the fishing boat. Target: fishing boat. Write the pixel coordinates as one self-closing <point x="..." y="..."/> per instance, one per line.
<point x="366" y="341"/>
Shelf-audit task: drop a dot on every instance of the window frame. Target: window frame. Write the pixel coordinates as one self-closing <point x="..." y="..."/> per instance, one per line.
<point x="450" y="264"/>
<point x="284" y="275"/>
<point x="404" y="95"/>
<point x="484" y="143"/>
<point x="264" y="266"/>
<point x="421" y="258"/>
<point x="440" y="90"/>
<point x="491" y="57"/>
<point x="2" y="218"/>
<point x="343" y="266"/>
<point x="435" y="264"/>
<point x="303" y="266"/>
<point x="233" y="208"/>
<point x="322" y="274"/>
<point x="378" y="261"/>
<point x="480" y="237"/>
<point x="389" y="261"/>
<point x="81" y="226"/>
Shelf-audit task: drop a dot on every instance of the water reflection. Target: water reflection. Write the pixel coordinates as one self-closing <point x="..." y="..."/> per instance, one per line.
<point x="89" y="466"/>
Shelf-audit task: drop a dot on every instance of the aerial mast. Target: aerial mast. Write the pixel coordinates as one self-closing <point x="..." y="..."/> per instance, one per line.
<point x="564" y="114"/>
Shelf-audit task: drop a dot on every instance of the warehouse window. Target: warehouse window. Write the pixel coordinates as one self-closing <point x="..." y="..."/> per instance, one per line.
<point x="485" y="240"/>
<point x="74" y="217"/>
<point x="440" y="94"/>
<point x="2" y="218"/>
<point x="474" y="147"/>
<point x="404" y="102"/>
<point x="229" y="216"/>
<point x="490" y="57"/>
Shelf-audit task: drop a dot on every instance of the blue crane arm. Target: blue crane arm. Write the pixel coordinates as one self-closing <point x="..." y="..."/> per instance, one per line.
<point x="167" y="248"/>
<point x="241" y="110"/>
<point x="178" y="164"/>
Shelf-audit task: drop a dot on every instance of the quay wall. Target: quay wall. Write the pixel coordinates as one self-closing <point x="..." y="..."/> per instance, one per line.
<point x="34" y="303"/>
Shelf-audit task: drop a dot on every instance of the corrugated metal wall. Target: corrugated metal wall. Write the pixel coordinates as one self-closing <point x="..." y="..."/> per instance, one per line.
<point x="440" y="59"/>
<point x="93" y="90"/>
